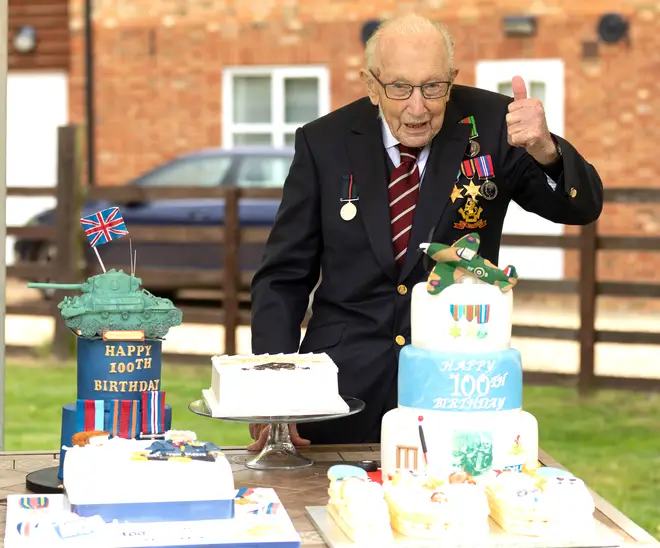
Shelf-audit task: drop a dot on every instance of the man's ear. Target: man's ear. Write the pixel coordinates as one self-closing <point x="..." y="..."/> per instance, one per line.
<point x="370" y="84"/>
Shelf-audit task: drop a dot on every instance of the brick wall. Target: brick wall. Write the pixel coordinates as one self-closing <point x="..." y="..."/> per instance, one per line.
<point x="159" y="76"/>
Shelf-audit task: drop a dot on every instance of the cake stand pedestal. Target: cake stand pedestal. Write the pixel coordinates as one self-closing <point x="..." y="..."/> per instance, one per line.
<point x="279" y="452"/>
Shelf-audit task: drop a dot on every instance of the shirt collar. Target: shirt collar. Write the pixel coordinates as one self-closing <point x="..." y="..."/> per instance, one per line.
<point x="388" y="139"/>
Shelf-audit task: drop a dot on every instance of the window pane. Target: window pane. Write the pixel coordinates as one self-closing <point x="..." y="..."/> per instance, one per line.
<point x="505" y="88"/>
<point x="252" y="139"/>
<point x="263" y="172"/>
<point x="301" y="97"/>
<point x="537" y="91"/>
<point x="251" y="95"/>
<point x="289" y="139"/>
<point x="204" y="171"/>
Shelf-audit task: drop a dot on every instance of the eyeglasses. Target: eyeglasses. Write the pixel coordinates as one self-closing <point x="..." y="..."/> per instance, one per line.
<point x="399" y="92"/>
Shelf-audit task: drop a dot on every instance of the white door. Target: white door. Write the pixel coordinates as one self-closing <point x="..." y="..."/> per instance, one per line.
<point x="544" y="79"/>
<point x="37" y="103"/>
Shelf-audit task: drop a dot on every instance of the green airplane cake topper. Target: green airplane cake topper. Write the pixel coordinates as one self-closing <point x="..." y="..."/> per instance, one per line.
<point x="114" y="301"/>
<point x="454" y="261"/>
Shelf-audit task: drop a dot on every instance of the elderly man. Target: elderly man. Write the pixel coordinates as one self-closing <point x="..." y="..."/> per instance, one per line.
<point x="419" y="158"/>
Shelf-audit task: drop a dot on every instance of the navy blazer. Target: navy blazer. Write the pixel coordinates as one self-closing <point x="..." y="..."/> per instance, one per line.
<point x="363" y="301"/>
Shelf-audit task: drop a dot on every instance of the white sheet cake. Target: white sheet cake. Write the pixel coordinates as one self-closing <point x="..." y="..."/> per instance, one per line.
<point x="274" y="385"/>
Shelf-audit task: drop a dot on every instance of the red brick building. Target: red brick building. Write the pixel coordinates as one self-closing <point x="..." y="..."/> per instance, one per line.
<point x="175" y="76"/>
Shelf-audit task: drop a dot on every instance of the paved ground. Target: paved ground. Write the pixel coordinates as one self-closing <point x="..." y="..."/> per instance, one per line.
<point x="538" y="354"/>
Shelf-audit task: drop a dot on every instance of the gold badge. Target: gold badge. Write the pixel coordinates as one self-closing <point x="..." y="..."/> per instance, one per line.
<point x="471" y="214"/>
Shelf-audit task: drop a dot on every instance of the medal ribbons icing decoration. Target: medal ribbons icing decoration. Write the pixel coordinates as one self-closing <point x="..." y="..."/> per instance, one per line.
<point x="348" y="211"/>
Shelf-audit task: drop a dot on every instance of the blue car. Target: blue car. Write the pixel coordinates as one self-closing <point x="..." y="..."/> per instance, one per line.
<point x="250" y="167"/>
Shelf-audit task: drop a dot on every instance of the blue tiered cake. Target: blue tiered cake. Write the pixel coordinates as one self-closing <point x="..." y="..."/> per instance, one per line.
<point x="119" y="328"/>
<point x="460" y="383"/>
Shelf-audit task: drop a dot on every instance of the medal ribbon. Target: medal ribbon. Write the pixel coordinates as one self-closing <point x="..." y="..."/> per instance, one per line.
<point x="484" y="166"/>
<point x="348" y="188"/>
<point x="467" y="167"/>
<point x="473" y="131"/>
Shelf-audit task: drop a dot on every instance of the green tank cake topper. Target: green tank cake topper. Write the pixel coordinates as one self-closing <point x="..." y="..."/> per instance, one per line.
<point x="114" y="301"/>
<point x="460" y="259"/>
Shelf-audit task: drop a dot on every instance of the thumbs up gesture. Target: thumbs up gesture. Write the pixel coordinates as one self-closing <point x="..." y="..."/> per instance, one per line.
<point x="527" y="126"/>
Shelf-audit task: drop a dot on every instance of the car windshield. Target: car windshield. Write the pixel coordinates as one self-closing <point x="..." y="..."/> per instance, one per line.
<point x="263" y="171"/>
<point x="202" y="171"/>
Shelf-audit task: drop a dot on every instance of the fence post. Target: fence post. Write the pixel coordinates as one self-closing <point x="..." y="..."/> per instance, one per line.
<point x="231" y="268"/>
<point x="66" y="226"/>
<point x="588" y="295"/>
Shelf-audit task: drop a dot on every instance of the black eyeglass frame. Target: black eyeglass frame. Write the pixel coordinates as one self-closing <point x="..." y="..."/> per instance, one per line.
<point x="411" y="88"/>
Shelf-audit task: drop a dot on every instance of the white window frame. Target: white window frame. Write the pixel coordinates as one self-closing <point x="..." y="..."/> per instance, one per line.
<point x="531" y="262"/>
<point x="277" y="128"/>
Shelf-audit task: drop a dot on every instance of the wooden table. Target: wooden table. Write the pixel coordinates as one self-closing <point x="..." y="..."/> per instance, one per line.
<point x="296" y="489"/>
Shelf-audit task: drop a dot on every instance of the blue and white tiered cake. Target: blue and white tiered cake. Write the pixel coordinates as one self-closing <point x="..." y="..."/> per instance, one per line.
<point x="460" y="382"/>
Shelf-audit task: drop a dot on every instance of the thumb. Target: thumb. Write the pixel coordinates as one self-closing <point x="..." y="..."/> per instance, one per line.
<point x="519" y="88"/>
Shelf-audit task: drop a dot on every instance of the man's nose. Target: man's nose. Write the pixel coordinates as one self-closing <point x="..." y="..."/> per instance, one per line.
<point x="416" y="106"/>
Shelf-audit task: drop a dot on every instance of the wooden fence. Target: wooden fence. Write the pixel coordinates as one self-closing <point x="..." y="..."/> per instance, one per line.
<point x="67" y="266"/>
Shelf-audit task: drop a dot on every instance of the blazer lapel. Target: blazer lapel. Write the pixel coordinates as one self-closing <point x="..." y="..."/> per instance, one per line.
<point x="367" y="159"/>
<point x="447" y="153"/>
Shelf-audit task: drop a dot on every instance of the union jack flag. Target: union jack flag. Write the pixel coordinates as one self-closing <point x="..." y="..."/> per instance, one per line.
<point x="104" y="226"/>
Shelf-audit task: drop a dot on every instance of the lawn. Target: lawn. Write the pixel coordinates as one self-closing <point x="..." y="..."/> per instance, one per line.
<point x="611" y="440"/>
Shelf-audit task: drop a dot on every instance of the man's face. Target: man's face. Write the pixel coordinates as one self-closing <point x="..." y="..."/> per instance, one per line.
<point x="415" y="60"/>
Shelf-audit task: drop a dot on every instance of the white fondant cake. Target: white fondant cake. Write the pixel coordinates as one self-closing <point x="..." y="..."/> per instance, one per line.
<point x="175" y="479"/>
<point x="460" y="383"/>
<point x="274" y="385"/>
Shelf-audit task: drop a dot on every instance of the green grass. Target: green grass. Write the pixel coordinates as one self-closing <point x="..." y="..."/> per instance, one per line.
<point x="611" y="440"/>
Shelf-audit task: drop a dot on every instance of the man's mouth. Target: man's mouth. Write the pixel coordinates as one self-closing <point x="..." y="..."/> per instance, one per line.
<point x="418" y="125"/>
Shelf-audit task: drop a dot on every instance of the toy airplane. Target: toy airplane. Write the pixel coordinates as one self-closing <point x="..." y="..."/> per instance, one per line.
<point x="461" y="258"/>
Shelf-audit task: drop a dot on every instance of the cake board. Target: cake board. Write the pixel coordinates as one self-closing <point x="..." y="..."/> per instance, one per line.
<point x="334" y="537"/>
<point x="27" y="514"/>
<point x="44" y="481"/>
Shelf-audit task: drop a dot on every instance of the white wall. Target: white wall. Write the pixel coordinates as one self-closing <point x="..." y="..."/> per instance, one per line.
<point x="37" y="103"/>
<point x="545" y="81"/>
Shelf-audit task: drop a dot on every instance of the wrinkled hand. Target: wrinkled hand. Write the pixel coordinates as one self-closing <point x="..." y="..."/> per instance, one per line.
<point x="259" y="433"/>
<point x="527" y="126"/>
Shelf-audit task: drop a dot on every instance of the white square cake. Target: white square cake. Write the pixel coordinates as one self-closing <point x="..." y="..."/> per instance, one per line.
<point x="274" y="385"/>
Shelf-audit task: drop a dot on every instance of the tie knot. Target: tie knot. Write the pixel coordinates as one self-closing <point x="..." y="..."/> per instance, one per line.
<point x="408" y="154"/>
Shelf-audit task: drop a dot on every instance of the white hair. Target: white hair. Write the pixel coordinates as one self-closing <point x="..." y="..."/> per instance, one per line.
<point x="408" y="25"/>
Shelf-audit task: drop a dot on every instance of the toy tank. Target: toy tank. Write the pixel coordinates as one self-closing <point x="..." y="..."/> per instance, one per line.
<point x="113" y="301"/>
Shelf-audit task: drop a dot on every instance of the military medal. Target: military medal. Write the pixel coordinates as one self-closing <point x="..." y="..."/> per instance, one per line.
<point x="488" y="190"/>
<point x="473" y="147"/>
<point x="349" y="210"/>
<point x="484" y="165"/>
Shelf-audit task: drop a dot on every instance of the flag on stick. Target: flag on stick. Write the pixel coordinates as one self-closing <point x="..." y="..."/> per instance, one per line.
<point x="103" y="227"/>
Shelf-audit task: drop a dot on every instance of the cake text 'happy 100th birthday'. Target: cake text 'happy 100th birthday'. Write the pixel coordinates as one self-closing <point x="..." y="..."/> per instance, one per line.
<point x="471" y="386"/>
<point x="138" y="357"/>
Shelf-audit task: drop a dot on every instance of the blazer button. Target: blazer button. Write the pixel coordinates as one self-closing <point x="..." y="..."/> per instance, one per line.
<point x="400" y="340"/>
<point x="573" y="193"/>
<point x="402" y="289"/>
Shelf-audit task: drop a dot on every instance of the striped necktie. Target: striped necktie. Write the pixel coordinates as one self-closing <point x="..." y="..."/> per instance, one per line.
<point x="403" y="190"/>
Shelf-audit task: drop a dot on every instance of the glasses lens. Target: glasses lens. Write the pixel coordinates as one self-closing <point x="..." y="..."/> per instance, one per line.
<point x="398" y="91"/>
<point x="435" y="91"/>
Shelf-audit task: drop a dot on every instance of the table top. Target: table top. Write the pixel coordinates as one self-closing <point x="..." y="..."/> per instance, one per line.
<point x="296" y="489"/>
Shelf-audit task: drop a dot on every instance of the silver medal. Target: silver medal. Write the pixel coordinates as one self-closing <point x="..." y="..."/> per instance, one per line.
<point x="473" y="149"/>
<point x="488" y="190"/>
<point x="348" y="211"/>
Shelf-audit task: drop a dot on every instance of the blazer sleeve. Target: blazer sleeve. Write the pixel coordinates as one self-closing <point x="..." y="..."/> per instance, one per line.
<point x="291" y="264"/>
<point x="577" y="198"/>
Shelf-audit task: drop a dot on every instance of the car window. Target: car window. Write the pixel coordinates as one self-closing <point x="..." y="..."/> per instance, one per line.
<point x="263" y="171"/>
<point x="203" y="171"/>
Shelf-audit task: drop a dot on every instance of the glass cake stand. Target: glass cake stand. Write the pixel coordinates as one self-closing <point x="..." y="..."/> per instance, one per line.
<point x="279" y="452"/>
